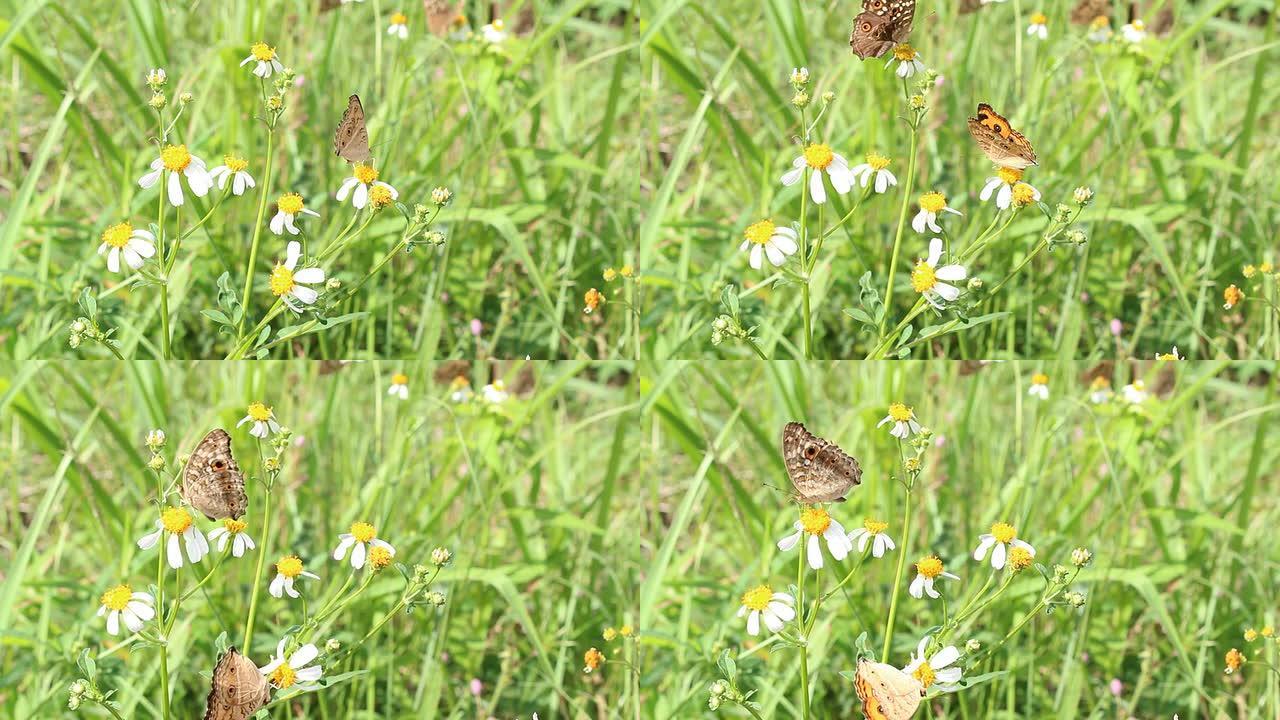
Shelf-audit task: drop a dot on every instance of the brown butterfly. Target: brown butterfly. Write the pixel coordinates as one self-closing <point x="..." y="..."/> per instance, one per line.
<point x="886" y="692"/>
<point x="351" y="139"/>
<point x="881" y="25"/>
<point x="237" y="690"/>
<point x="819" y="469"/>
<point x="212" y="482"/>
<point x="1086" y="10"/>
<point x="999" y="141"/>
<point x="441" y="14"/>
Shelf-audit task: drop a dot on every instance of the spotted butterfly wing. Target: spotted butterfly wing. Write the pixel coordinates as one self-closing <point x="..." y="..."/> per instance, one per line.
<point x="237" y="690"/>
<point x="212" y="482"/>
<point x="351" y="139"/>
<point x="998" y="140"/>
<point x="819" y="470"/>
<point x="881" y="25"/>
<point x="886" y="692"/>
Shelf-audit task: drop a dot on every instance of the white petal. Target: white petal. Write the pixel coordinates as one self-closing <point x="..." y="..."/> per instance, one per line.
<point x="141" y="245"/>
<point x="149" y="179"/>
<point x="277" y="223"/>
<point x="113" y="260"/>
<point x="918" y="222"/>
<point x="113" y="622"/>
<point x="990" y="187"/>
<point x="935" y="252"/>
<point x="357" y="556"/>
<point x="816" y="188"/>
<point x="997" y="557"/>
<point x="981" y="551"/>
<point x="944" y="657"/>
<point x="787" y="543"/>
<point x="309" y="275"/>
<point x="756" y="252"/>
<point x="175" y="190"/>
<point x="815" y="552"/>
<point x="753" y="623"/>
<point x="773" y="622"/>
<point x="292" y="252"/>
<point x="131" y="258"/>
<point x="917" y="587"/>
<point x="346" y="188"/>
<point x="276" y="584"/>
<point x="305" y="294"/>
<point x="774" y="254"/>
<point x="951" y="272"/>
<point x="361" y="196"/>
<point x="174" y="552"/>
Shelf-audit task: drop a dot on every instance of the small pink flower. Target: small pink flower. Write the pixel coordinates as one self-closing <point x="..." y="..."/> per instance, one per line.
<point x="477" y="327"/>
<point x="939" y="440"/>
<point x="1085" y="297"/>
<point x="477" y="687"/>
<point x="1117" y="687"/>
<point x="1116" y="327"/>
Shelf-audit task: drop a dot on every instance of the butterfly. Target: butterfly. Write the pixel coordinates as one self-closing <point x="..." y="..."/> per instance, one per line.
<point x="881" y="25"/>
<point x="237" y="690"/>
<point x="819" y="469"/>
<point x="999" y="141"/>
<point x="886" y="692"/>
<point x="1086" y="11"/>
<point x="212" y="482"/>
<point x="441" y="14"/>
<point x="351" y="139"/>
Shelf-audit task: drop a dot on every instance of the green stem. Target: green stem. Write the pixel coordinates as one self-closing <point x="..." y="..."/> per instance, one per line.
<point x="804" y="253"/>
<point x="257" y="571"/>
<point x="897" y="577"/>
<point x="902" y="223"/>
<point x="257" y="234"/>
<point x="164" y="287"/>
<point x="804" y="641"/>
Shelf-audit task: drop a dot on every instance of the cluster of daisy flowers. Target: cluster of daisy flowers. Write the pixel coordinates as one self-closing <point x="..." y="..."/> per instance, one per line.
<point x="1262" y="641"/>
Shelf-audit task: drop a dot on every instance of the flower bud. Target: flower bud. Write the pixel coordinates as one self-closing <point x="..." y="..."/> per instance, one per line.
<point x="333" y="283"/>
<point x="828" y="97"/>
<point x="156" y="79"/>
<point x="186" y="98"/>
<point x="800" y="76"/>
<point x="156" y="439"/>
<point x="74" y="340"/>
<point x="1081" y="557"/>
<point x="332" y="645"/>
<point x="800" y="99"/>
<point x="1082" y="195"/>
<point x="157" y="101"/>
<point x="972" y="646"/>
<point x="441" y="556"/>
<point x="78" y="327"/>
<point x="435" y="598"/>
<point x="1075" y="599"/>
<point x="157" y="463"/>
<point x="441" y="196"/>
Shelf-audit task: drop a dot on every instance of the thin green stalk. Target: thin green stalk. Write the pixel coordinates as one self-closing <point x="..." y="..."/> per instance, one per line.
<point x="897" y="575"/>
<point x="257" y="571"/>
<point x="257" y="233"/>
<point x="804" y="253"/>
<point x="164" y="287"/>
<point x="902" y="223"/>
<point x="804" y="644"/>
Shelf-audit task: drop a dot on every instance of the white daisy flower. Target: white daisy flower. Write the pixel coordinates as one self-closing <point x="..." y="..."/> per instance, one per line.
<point x="931" y="203"/>
<point x="817" y="522"/>
<point x="903" y="419"/>
<point x="399" y="386"/>
<point x="1135" y="393"/>
<point x="177" y="522"/>
<point x="180" y="163"/>
<point x="290" y="285"/>
<point x="364" y="181"/>
<point x="288" y="570"/>
<point x="232" y="531"/>
<point x="495" y="393"/>
<point x="399" y="26"/>
<point x="1134" y="32"/>
<point x="288" y="207"/>
<point x="1002" y="537"/>
<point x="908" y="61"/>
<point x="495" y="32"/>
<point x="361" y="538"/>
<point x="1012" y="191"/>
<point x="765" y="239"/>
<point x="1039" y="26"/>
<point x="937" y="670"/>
<point x="1100" y="29"/>
<point x="1039" y="386"/>
<point x="876" y="166"/>
<point x="927" y="277"/>
<point x="121" y="602"/>
<point x="872" y="532"/>
<point x="1099" y="391"/>
<point x="762" y="602"/>
<point x="267" y="60"/>
<point x="820" y="159"/>
<point x="263" y="419"/>
<point x="233" y="169"/>
<point x="123" y="239"/>
<point x="295" y="671"/>
<point x="928" y="570"/>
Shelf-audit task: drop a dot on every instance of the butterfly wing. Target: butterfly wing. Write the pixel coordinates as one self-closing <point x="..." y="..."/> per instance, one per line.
<point x="440" y="15"/>
<point x="872" y="35"/>
<point x="819" y="469"/>
<point x="351" y="139"/>
<point x="902" y="13"/>
<point x="886" y="692"/>
<point x="212" y="482"/>
<point x="1086" y="11"/>
<point x="999" y="141"/>
<point x="237" y="690"/>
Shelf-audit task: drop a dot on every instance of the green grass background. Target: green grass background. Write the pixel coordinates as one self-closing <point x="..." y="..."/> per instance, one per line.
<point x="607" y="494"/>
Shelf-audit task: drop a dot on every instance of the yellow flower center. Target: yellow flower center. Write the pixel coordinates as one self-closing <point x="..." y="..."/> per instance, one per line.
<point x="459" y="382"/>
<point x="1009" y="175"/>
<point x="259" y="412"/>
<point x="627" y="271"/>
<point x="818" y="156"/>
<point x="1039" y="379"/>
<point x="925" y="674"/>
<point x="628" y="631"/>
<point x="1020" y="558"/>
<point x="399" y="379"/>
<point x="930" y="567"/>
<point x="284" y="676"/>
<point x="290" y="203"/>
<point x="235" y="527"/>
<point x="1250" y="635"/>
<point x="175" y="157"/>
<point x="815" y="521"/>
<point x="176" y="520"/>
<point x="875" y="527"/>
<point x="610" y="274"/>
<point x="1099" y="383"/>
<point x="877" y="161"/>
<point x="263" y="52"/>
<point x="281" y="280"/>
<point x="1100" y="22"/>
<point x="933" y="202"/>
<point x="380" y="196"/>
<point x="117" y="598"/>
<point x="757" y="598"/>
<point x="760" y="232"/>
<point x="899" y="412"/>
<point x="1139" y="25"/>
<point x="1023" y="194"/>
<point x="1003" y="532"/>
<point x="289" y="566"/>
<point x="365" y="173"/>
<point x="1139" y="385"/>
<point x="235" y="164"/>
<point x="904" y="53"/>
<point x="1039" y="19"/>
<point x="117" y="236"/>
<point x="379" y="556"/>
<point x="923" y="277"/>
<point x="363" y="532"/>
<point x="399" y="19"/>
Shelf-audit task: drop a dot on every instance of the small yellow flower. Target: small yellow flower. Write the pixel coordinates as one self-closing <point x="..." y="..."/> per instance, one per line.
<point x="1249" y="271"/>
<point x="1231" y="297"/>
<point x="610" y="275"/>
<point x="610" y="634"/>
<point x="1234" y="660"/>
<point x="1265" y="268"/>
<point x="379" y="557"/>
<point x="1268" y="631"/>
<point x="627" y="271"/>
<point x="592" y="660"/>
<point x="1019" y="559"/>
<point x="1250" y="635"/>
<point x="626" y="631"/>
<point x="592" y="300"/>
